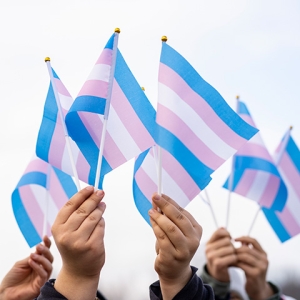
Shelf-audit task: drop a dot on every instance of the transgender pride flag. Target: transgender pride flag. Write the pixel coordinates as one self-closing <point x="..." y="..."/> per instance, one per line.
<point x="51" y="143"/>
<point x="196" y="130"/>
<point x="39" y="195"/>
<point x="111" y="94"/>
<point x="255" y="175"/>
<point x="286" y="224"/>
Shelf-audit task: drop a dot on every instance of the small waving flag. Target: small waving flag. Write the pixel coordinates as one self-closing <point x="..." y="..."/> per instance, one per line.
<point x="52" y="145"/>
<point x="39" y="195"/>
<point x="255" y="175"/>
<point x="286" y="224"/>
<point x="112" y="94"/>
<point x="196" y="130"/>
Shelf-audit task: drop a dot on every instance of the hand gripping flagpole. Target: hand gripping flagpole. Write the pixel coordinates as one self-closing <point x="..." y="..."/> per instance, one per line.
<point x="277" y="162"/>
<point x="107" y="107"/>
<point x="230" y="180"/>
<point x="67" y="137"/>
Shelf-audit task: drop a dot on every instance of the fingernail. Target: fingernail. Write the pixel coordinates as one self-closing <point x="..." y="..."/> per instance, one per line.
<point x="156" y="197"/>
<point x="151" y="211"/>
<point x="40" y="247"/>
<point x="34" y="256"/>
<point x="89" y="188"/>
<point x="102" y="204"/>
<point x="99" y="193"/>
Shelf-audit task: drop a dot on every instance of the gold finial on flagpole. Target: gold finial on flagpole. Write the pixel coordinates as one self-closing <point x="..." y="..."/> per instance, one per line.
<point x="164" y="38"/>
<point x="47" y="59"/>
<point x="117" y="30"/>
<point x="237" y="97"/>
<point x="143" y="88"/>
<point x="291" y="127"/>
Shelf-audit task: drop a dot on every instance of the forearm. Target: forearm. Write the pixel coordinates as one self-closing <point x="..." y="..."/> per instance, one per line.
<point x="76" y="287"/>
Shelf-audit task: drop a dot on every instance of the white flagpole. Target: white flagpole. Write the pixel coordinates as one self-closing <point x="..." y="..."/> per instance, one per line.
<point x="230" y="180"/>
<point x="46" y="201"/>
<point x="208" y="202"/>
<point x="75" y="174"/>
<point x="107" y="107"/>
<point x="277" y="162"/>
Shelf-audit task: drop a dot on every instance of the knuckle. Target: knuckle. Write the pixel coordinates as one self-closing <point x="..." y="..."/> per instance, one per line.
<point x="69" y="203"/>
<point x="81" y="211"/>
<point x="171" y="228"/>
<point x="179" y="217"/>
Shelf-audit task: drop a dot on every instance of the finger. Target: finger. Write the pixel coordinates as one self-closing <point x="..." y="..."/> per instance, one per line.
<point x="40" y="271"/>
<point x="176" y="214"/>
<point x="73" y="204"/>
<point x="227" y="261"/>
<point x="247" y="259"/>
<point x="162" y="240"/>
<point x="251" y="252"/>
<point x="42" y="250"/>
<point x="221" y="252"/>
<point x="219" y="234"/>
<point x="47" y="241"/>
<point x="97" y="235"/>
<point x="170" y="229"/>
<point x="249" y="270"/>
<point x="225" y="241"/>
<point x="248" y="240"/>
<point x="42" y="261"/>
<point x="84" y="210"/>
<point x="88" y="226"/>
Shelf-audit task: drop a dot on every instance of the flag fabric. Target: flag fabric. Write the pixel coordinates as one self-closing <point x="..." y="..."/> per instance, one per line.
<point x="286" y="224"/>
<point x="40" y="194"/>
<point x="51" y="143"/>
<point x="255" y="175"/>
<point x="131" y="119"/>
<point x="196" y="130"/>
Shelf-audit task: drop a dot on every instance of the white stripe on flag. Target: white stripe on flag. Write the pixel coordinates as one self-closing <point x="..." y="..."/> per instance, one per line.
<point x="121" y="136"/>
<point x="65" y="101"/>
<point x="258" y="186"/>
<point x="100" y="72"/>
<point x="171" y="100"/>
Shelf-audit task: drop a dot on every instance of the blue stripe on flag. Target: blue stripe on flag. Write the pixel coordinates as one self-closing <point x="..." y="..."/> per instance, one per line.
<point x="142" y="203"/>
<point x="29" y="232"/>
<point x="276" y="224"/>
<point x="110" y="42"/>
<point x="47" y="127"/>
<point x="281" y="197"/>
<point x="199" y="172"/>
<point x="294" y="153"/>
<point x="89" y="104"/>
<point x="37" y="178"/>
<point x="255" y="163"/>
<point x="54" y="74"/>
<point x="66" y="182"/>
<point x="134" y="93"/>
<point x="180" y="65"/>
<point x="242" y="109"/>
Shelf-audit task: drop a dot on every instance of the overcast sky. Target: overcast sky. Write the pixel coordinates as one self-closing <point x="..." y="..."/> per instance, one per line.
<point x="246" y="48"/>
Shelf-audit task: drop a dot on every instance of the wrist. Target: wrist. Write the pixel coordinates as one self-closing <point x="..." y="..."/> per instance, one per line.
<point x="76" y="287"/>
<point x="172" y="285"/>
<point x="263" y="293"/>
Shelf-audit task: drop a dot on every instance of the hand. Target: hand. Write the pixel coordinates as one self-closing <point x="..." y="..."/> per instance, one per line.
<point x="178" y="236"/>
<point x="27" y="276"/>
<point x="220" y="254"/>
<point x="253" y="260"/>
<point x="78" y="232"/>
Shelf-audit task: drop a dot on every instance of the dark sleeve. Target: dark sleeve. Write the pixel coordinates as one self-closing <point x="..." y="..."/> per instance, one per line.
<point x="194" y="290"/>
<point x="48" y="292"/>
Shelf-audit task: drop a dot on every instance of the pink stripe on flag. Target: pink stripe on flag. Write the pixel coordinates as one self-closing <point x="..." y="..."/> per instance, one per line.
<point x="83" y="168"/>
<point x="57" y="147"/>
<point x="291" y="173"/>
<point x="248" y="119"/>
<point x="61" y="88"/>
<point x="270" y="192"/>
<point x="37" y="164"/>
<point x="179" y="175"/>
<point x="56" y="191"/>
<point x="289" y="221"/>
<point x="172" y="80"/>
<point x="145" y="183"/>
<point x="112" y="152"/>
<point x="245" y="182"/>
<point x="97" y="88"/>
<point x="32" y="208"/>
<point x="167" y="119"/>
<point x="91" y="121"/>
<point x="255" y="150"/>
<point x="129" y="118"/>
<point x="106" y="57"/>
